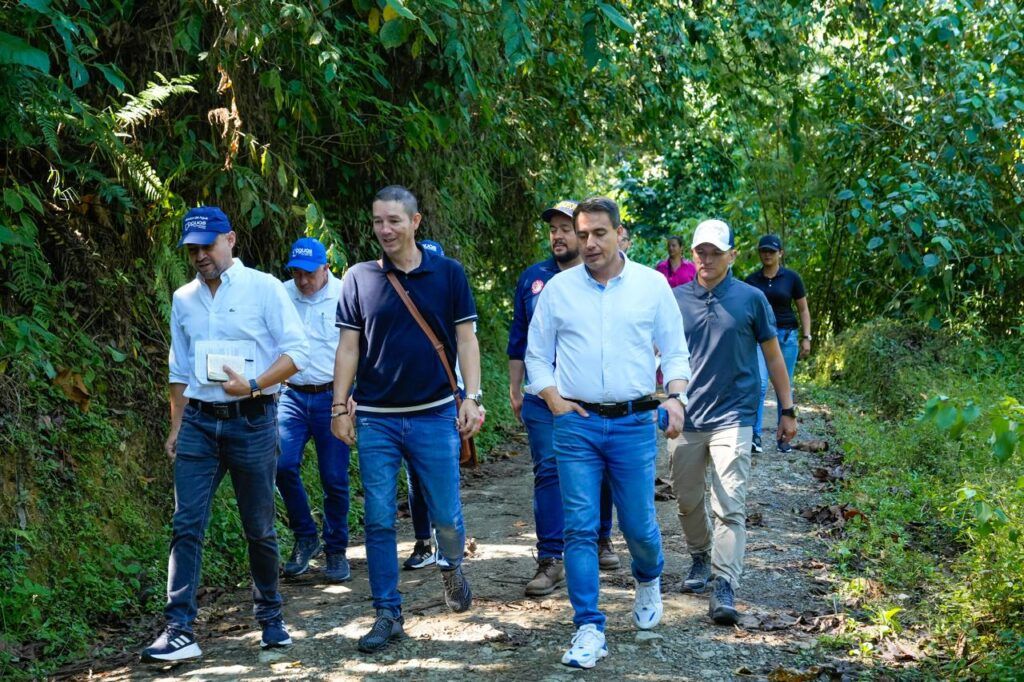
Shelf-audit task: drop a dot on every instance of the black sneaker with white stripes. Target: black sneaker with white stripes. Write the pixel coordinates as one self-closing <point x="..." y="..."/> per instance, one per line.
<point x="457" y="594"/>
<point x="173" y="644"/>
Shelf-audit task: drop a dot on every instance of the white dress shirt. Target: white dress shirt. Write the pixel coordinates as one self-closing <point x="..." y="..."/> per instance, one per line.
<point x="604" y="335"/>
<point x="317" y="313"/>
<point x="250" y="311"/>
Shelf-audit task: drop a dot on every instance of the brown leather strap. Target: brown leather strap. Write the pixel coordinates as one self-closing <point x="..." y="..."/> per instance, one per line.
<point x="438" y="345"/>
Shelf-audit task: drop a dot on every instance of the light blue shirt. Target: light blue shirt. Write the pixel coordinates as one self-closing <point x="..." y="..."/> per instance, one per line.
<point x="604" y="335"/>
<point x="317" y="314"/>
<point x="251" y="309"/>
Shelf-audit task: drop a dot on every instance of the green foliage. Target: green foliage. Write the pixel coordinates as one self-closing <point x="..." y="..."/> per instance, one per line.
<point x="942" y="485"/>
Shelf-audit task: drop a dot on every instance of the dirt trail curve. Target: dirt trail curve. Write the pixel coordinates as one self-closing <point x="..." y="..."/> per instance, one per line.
<point x="509" y="636"/>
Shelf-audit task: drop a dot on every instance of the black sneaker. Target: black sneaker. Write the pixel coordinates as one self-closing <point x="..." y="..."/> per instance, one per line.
<point x="756" y="447"/>
<point x="783" y="446"/>
<point x="337" y="569"/>
<point x="422" y="556"/>
<point x="386" y="628"/>
<point x="304" y="549"/>
<point x="457" y="594"/>
<point x="722" y="605"/>
<point x="700" y="573"/>
<point x="274" y="634"/>
<point x="173" y="644"/>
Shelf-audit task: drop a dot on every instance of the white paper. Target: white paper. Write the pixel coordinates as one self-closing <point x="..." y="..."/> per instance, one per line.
<point x="239" y="355"/>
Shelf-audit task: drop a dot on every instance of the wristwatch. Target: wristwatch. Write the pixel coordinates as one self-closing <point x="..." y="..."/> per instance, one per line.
<point x="806" y="336"/>
<point x="476" y="397"/>
<point x="254" y="389"/>
<point x="789" y="412"/>
<point x="681" y="397"/>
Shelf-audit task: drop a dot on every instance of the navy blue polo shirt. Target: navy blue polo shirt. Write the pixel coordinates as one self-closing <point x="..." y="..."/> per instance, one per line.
<point x="398" y="366"/>
<point x="723" y="328"/>
<point x="524" y="302"/>
<point x="781" y="290"/>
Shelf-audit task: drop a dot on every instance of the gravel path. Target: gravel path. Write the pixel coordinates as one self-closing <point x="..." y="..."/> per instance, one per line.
<point x="508" y="635"/>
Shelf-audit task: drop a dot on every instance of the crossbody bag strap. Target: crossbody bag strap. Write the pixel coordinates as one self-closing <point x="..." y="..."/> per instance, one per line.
<point x="438" y="345"/>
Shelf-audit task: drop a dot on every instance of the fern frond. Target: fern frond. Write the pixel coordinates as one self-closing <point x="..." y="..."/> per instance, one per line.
<point x="145" y="105"/>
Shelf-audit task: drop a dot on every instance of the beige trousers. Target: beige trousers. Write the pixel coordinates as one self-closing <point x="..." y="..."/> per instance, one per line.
<point x="727" y="450"/>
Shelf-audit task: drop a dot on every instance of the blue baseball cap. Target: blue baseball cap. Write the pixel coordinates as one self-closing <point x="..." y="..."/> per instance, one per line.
<point x="432" y="246"/>
<point x="307" y="254"/>
<point x="202" y="225"/>
<point x="770" y="241"/>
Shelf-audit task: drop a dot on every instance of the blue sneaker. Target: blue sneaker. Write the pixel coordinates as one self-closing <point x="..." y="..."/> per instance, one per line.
<point x="457" y="594"/>
<point x="700" y="573"/>
<point x="722" y="605"/>
<point x="274" y="634"/>
<point x="305" y="548"/>
<point x="173" y="644"/>
<point x="385" y="628"/>
<point x="337" y="569"/>
<point x="783" y="446"/>
<point x="756" y="447"/>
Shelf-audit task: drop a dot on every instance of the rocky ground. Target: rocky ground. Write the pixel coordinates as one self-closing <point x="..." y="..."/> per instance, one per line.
<point x="785" y="596"/>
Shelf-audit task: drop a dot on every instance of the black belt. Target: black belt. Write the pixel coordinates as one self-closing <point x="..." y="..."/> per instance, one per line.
<point x="312" y="388"/>
<point x="250" y="407"/>
<point x="645" y="404"/>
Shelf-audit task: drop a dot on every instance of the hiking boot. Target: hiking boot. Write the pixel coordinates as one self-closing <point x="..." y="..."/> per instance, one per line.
<point x="550" y="574"/>
<point x="607" y="559"/>
<point x="588" y="647"/>
<point x="173" y="644"/>
<point x="387" y="627"/>
<point x="274" y="634"/>
<point x="304" y="549"/>
<point x="337" y="569"/>
<point x="457" y="594"/>
<point x="722" y="605"/>
<point x="700" y="573"/>
<point x="783" y="446"/>
<point x="647" y="606"/>
<point x="422" y="556"/>
<point x="756" y="447"/>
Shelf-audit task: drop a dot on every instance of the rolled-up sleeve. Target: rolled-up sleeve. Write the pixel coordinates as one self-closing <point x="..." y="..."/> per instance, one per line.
<point x="179" y="361"/>
<point x="670" y="337"/>
<point x="285" y="325"/>
<point x="540" y="346"/>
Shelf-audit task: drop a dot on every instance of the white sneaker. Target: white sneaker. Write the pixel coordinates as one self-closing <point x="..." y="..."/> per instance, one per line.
<point x="588" y="647"/>
<point x="647" y="606"/>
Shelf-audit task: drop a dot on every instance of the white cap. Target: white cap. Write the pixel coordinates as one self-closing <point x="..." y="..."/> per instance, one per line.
<point x="714" y="232"/>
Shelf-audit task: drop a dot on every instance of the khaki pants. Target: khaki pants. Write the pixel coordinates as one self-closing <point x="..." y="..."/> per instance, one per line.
<point x="728" y="452"/>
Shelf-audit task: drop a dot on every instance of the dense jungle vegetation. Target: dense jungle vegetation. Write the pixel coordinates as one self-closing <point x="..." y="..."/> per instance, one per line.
<point x="883" y="140"/>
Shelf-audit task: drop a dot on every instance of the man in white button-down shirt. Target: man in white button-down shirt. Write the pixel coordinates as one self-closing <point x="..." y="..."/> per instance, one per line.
<point x="305" y="412"/>
<point x="602" y="320"/>
<point x="235" y="337"/>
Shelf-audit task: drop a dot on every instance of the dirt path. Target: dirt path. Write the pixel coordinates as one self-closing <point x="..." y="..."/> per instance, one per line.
<point x="508" y="635"/>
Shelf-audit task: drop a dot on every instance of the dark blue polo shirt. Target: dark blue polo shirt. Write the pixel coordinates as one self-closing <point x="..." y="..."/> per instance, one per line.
<point x="398" y="366"/>
<point x="781" y="290"/>
<point x="723" y="328"/>
<point x="528" y="288"/>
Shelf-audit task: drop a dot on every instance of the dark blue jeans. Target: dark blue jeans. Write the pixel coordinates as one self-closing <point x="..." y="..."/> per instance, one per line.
<point x="429" y="444"/>
<point x="302" y="416"/>
<point x="417" y="506"/>
<point x="624" y="450"/>
<point x="209" y="448"/>
<point x="547" y="496"/>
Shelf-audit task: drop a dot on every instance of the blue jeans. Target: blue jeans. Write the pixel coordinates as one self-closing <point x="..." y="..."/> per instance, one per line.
<point x="547" y="496"/>
<point x="789" y="342"/>
<point x="624" y="448"/>
<point x="207" y="449"/>
<point x="300" y="417"/>
<point x="417" y="507"/>
<point x="429" y="443"/>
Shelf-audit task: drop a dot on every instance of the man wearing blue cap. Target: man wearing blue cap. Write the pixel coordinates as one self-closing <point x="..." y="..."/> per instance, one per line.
<point x="534" y="413"/>
<point x="235" y="337"/>
<point x="726" y="321"/>
<point x="406" y="404"/>
<point x="305" y="411"/>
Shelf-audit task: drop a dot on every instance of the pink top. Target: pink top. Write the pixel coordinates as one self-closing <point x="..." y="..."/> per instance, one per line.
<point x="681" y="275"/>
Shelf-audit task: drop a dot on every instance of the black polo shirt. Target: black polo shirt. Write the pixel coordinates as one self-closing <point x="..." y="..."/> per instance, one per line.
<point x="780" y="290"/>
<point x="398" y="366"/>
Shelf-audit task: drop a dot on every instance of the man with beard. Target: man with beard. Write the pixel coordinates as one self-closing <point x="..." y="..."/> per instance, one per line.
<point x="534" y="413"/>
<point x="235" y="336"/>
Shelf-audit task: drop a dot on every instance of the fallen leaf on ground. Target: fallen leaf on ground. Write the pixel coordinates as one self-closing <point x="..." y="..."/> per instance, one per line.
<point x="470" y="548"/>
<point x="73" y="387"/>
<point x="812" y="445"/>
<point x="755" y="519"/>
<point x="781" y="674"/>
<point x="897" y="651"/>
